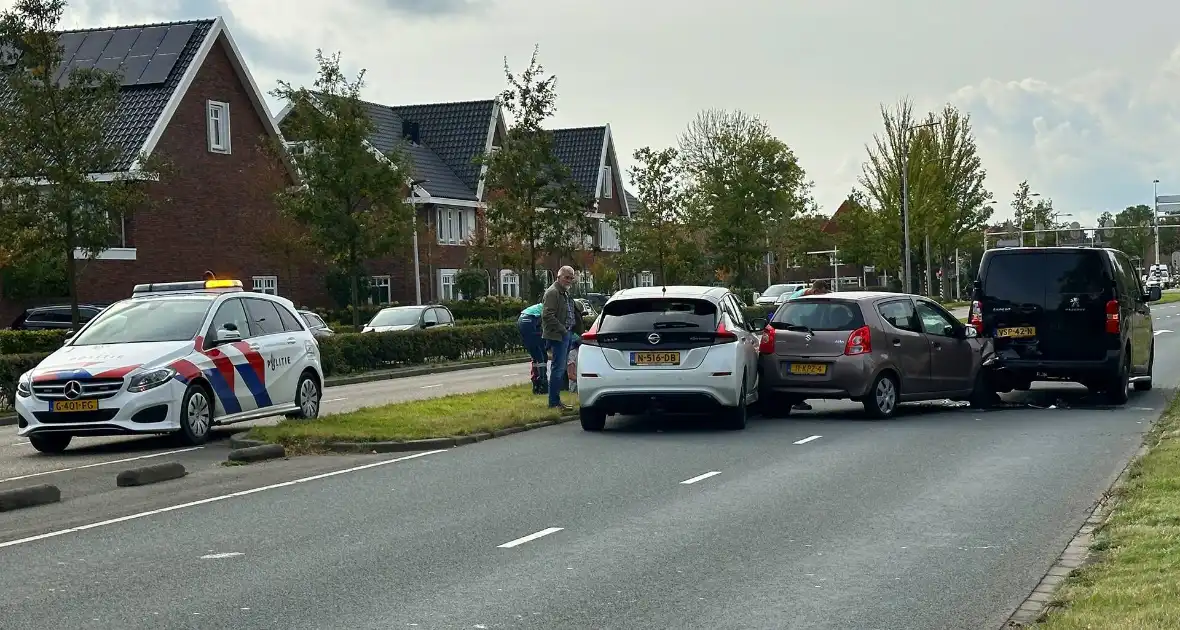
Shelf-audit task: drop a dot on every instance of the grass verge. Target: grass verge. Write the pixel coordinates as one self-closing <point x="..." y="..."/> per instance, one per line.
<point x="1134" y="584"/>
<point x="457" y="414"/>
<point x="1168" y="297"/>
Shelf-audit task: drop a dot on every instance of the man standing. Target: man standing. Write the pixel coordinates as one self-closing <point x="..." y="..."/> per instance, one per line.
<point x="559" y="322"/>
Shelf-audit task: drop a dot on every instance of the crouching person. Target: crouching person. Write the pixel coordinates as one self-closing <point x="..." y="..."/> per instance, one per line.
<point x="529" y="324"/>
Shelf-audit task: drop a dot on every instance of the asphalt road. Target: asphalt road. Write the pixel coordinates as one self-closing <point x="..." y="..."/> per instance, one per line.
<point x="939" y="518"/>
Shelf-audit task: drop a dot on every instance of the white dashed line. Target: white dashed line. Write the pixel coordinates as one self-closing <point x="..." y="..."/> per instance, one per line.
<point x="1158" y="332"/>
<point x="218" y="556"/>
<point x="116" y="461"/>
<point x="430" y="386"/>
<point x="809" y="439"/>
<point x="242" y="493"/>
<point x="535" y="535"/>
<point x="713" y="473"/>
<point x="332" y="400"/>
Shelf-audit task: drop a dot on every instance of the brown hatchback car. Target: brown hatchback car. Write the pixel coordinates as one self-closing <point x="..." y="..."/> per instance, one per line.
<point x="880" y="349"/>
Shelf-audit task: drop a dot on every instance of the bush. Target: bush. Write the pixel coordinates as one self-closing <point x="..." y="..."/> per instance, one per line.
<point x="11" y="367"/>
<point x="360" y="352"/>
<point x="25" y="341"/>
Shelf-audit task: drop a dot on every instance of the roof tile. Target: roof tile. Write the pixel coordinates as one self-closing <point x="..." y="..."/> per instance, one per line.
<point x="580" y="150"/>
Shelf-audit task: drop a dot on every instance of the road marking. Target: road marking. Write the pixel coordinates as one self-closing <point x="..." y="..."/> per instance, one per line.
<point x="116" y="461"/>
<point x="19" y="444"/>
<point x="712" y="473"/>
<point x="535" y="535"/>
<point x="809" y="439"/>
<point x="241" y="493"/>
<point x="429" y="386"/>
<point x="218" y="556"/>
<point x="332" y="400"/>
<point x="1158" y="332"/>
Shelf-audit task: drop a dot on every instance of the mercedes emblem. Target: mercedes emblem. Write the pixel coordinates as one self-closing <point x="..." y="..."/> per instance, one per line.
<point x="73" y="389"/>
<point x="653" y="338"/>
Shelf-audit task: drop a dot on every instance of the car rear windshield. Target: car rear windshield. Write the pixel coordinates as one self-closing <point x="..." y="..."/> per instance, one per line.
<point x="819" y="315"/>
<point x="643" y="315"/>
<point x="776" y="290"/>
<point x="1041" y="278"/>
<point x="145" y="321"/>
<point x="405" y="316"/>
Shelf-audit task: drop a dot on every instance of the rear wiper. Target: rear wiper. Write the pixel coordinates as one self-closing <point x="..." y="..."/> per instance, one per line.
<point x="660" y="325"/>
<point x="798" y="328"/>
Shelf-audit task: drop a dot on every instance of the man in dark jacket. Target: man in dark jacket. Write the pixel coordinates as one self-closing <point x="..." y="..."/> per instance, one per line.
<point x="560" y="321"/>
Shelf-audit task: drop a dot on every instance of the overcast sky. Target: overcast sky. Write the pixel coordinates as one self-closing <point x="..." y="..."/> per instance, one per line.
<point x="1080" y="97"/>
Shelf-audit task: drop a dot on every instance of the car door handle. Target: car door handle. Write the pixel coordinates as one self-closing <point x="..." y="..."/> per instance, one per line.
<point x="897" y="342"/>
<point x="290" y="341"/>
<point x="938" y="346"/>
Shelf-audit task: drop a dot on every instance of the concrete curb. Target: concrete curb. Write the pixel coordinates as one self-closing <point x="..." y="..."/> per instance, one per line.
<point x="20" y="498"/>
<point x="8" y="420"/>
<point x="1075" y="556"/>
<point x="428" y="444"/>
<point x="150" y="474"/>
<point x="258" y="453"/>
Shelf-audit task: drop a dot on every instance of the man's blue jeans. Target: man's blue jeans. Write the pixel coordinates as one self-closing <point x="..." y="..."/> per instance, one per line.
<point x="557" y="377"/>
<point x="530" y="334"/>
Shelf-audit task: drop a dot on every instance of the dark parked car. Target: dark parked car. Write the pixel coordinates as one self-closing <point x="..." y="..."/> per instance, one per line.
<point x="55" y="317"/>
<point x="1066" y="313"/>
<point x="409" y="318"/>
<point x="316" y="324"/>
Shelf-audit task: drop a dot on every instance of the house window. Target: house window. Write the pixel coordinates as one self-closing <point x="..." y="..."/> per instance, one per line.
<point x="379" y="290"/>
<point x="266" y="284"/>
<point x="608" y="187"/>
<point x="118" y="229"/>
<point x="647" y="279"/>
<point x="545" y="277"/>
<point x="608" y="237"/>
<point x="586" y="281"/>
<point x="218" y="115"/>
<point x="509" y="283"/>
<point x="454" y="225"/>
<point x="446" y="284"/>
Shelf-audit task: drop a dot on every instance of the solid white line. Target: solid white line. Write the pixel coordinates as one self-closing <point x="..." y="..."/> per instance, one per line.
<point x="520" y="541"/>
<point x="809" y="439"/>
<point x="429" y="386"/>
<point x="114" y="461"/>
<point x="700" y="477"/>
<point x="242" y="493"/>
<point x="1158" y="332"/>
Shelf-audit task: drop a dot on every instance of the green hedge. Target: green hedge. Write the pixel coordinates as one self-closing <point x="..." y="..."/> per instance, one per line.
<point x="11" y="367"/>
<point x="22" y="341"/>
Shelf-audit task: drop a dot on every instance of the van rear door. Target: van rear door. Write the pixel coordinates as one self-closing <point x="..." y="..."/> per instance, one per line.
<point x="1048" y="305"/>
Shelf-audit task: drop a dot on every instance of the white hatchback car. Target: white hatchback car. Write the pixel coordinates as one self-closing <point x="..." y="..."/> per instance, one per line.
<point x="176" y="357"/>
<point x="674" y="349"/>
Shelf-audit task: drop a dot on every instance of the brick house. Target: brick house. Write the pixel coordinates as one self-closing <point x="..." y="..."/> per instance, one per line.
<point x="188" y="96"/>
<point x="444" y="142"/>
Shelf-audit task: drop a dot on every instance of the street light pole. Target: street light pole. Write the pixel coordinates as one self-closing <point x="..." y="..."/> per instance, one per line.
<point x="1155" y="216"/>
<point x="414" y="216"/>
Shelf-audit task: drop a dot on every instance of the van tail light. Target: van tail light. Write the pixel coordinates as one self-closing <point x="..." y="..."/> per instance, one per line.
<point x="859" y="342"/>
<point x="724" y="335"/>
<point x="1112" y="317"/>
<point x="766" y="342"/>
<point x="590" y="337"/>
<point x="975" y="317"/>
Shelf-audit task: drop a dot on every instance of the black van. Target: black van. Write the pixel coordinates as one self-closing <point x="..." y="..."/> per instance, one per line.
<point x="1065" y="313"/>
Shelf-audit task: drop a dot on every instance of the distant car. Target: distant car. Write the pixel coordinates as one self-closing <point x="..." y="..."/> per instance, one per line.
<point x="316" y="324"/>
<point x="397" y="318"/>
<point x="55" y="317"/>
<point x="674" y="349"/>
<point x="1066" y="313"/>
<point x="587" y="308"/>
<point x="880" y="349"/>
<point x="771" y="296"/>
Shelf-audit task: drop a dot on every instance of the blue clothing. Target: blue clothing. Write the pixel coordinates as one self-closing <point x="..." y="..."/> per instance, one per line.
<point x="534" y="310"/>
<point x="557" y="375"/>
<point x="798" y="293"/>
<point x="530" y="333"/>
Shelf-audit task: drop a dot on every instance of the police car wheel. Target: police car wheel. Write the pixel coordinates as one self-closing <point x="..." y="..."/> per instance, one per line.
<point x="307" y="397"/>
<point x="196" y="415"/>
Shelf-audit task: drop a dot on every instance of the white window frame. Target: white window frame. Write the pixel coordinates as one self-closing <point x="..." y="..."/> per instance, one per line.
<point x="608" y="236"/>
<point x="608" y="185"/>
<point x="217" y="123"/>
<point x="586" y="281"/>
<point x="377" y="283"/>
<point x="509" y="283"/>
<point x="646" y="279"/>
<point x="446" y="285"/>
<point x="265" y="284"/>
<point x="454" y="226"/>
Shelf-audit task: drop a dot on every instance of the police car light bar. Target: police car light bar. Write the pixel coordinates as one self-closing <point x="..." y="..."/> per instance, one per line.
<point x="201" y="285"/>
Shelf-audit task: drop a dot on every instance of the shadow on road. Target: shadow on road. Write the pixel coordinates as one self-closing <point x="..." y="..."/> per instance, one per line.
<point x="89" y="447"/>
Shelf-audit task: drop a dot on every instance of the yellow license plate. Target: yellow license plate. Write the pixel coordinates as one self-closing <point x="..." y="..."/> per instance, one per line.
<point x="1016" y="332"/>
<point x="811" y="369"/>
<point x="67" y="406"/>
<point x="655" y="358"/>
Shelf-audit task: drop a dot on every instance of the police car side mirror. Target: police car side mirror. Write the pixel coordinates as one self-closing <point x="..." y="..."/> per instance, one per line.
<point x="225" y="335"/>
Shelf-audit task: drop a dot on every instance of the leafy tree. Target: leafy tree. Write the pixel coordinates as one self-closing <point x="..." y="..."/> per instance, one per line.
<point x="53" y="138"/>
<point x="1138" y="236"/>
<point x="653" y="235"/>
<point x="533" y="200"/>
<point x="351" y="199"/>
<point x="745" y="187"/>
<point x="803" y="233"/>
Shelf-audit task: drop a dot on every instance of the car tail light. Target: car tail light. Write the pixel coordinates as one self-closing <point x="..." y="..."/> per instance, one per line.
<point x="1112" y="317"/>
<point x="859" y="342"/>
<point x="590" y="337"/>
<point x="724" y="335"/>
<point x="975" y="318"/>
<point x="766" y="342"/>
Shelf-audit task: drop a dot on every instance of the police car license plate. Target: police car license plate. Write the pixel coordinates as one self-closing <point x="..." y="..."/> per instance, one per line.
<point x="68" y="406"/>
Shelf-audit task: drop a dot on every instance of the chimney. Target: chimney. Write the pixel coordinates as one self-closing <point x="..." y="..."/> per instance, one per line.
<point x="412" y="131"/>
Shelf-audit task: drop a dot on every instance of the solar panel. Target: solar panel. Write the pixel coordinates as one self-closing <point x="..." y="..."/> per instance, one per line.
<point x="176" y="39"/>
<point x="63" y="78"/>
<point x="92" y="47"/>
<point x="69" y="45"/>
<point x="149" y="41"/>
<point x="133" y="67"/>
<point x="158" y="70"/>
<point x="109" y="64"/>
<point x="120" y="44"/>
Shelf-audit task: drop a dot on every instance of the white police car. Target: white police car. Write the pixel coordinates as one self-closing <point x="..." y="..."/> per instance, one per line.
<point x="176" y="357"/>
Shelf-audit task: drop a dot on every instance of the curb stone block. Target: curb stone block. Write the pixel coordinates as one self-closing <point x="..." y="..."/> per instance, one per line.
<point x="464" y="440"/>
<point x="236" y="442"/>
<point x="20" y="498"/>
<point x="506" y="431"/>
<point x="257" y="453"/>
<point x="150" y="474"/>
<point x="479" y="437"/>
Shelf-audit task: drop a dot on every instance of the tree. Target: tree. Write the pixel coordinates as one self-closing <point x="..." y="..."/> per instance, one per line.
<point x="651" y="236"/>
<point x="1136" y="237"/>
<point x="745" y="187"/>
<point x="54" y="136"/>
<point x="351" y="198"/>
<point x="533" y="199"/>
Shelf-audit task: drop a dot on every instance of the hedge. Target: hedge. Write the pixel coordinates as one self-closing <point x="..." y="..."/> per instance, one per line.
<point x="22" y="341"/>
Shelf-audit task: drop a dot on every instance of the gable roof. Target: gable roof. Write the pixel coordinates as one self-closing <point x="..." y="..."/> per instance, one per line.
<point x="152" y="91"/>
<point x="582" y="150"/>
<point x="632" y="201"/>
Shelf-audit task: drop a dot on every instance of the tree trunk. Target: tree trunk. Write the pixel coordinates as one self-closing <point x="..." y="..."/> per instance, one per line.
<point x="72" y="275"/>
<point x="354" y="283"/>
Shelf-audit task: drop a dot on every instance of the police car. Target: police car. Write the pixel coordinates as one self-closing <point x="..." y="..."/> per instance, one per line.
<point x="178" y="357"/>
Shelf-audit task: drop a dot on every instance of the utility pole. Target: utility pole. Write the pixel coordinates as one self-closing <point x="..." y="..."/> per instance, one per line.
<point x="1155" y="216"/>
<point x="958" y="280"/>
<point x="414" y="213"/>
